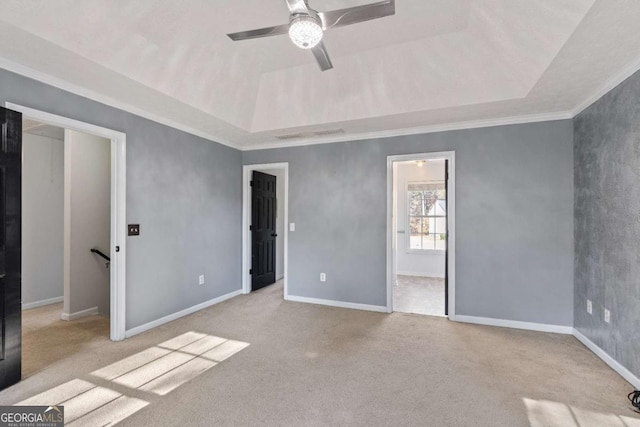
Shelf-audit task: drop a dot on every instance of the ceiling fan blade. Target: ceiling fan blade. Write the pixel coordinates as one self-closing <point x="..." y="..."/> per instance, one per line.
<point x="322" y="56"/>
<point x="297" y="6"/>
<point x="262" y="32"/>
<point x="353" y="15"/>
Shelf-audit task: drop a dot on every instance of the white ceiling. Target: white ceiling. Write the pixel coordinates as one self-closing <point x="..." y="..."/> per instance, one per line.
<point x="435" y="64"/>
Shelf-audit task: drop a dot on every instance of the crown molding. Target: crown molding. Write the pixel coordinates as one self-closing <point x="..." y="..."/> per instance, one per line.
<point x="67" y="86"/>
<point x="473" y="124"/>
<point x="608" y="85"/>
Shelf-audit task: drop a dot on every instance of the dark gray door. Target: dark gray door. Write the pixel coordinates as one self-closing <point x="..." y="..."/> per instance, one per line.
<point x="446" y="251"/>
<point x="10" y="248"/>
<point x="263" y="230"/>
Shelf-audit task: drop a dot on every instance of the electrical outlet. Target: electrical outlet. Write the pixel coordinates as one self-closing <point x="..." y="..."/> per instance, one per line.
<point x="607" y="316"/>
<point x="201" y="279"/>
<point x="589" y="307"/>
<point x="323" y="277"/>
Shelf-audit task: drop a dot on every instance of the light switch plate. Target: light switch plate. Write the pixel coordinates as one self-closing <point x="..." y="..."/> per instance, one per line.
<point x="134" y="229"/>
<point x="292" y="226"/>
<point x="589" y="307"/>
<point x="607" y="316"/>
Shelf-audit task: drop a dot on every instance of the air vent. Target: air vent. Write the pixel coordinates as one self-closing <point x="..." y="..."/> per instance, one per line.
<point x="319" y="133"/>
<point x="329" y="132"/>
<point x="291" y="136"/>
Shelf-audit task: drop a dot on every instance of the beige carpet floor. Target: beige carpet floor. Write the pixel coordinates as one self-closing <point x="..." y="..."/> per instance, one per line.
<point x="47" y="339"/>
<point x="310" y="365"/>
<point x="419" y="295"/>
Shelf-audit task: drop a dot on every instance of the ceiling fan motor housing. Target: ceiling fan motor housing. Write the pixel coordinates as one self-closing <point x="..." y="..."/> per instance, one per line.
<point x="305" y="30"/>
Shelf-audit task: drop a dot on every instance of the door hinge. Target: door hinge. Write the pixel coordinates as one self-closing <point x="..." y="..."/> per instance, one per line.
<point x="250" y="183"/>
<point x="250" y="227"/>
<point x="117" y="248"/>
<point x="251" y="271"/>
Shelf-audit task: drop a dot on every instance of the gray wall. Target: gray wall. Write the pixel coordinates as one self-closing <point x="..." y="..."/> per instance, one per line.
<point x="514" y="216"/>
<point x="607" y="226"/>
<point x="87" y="191"/>
<point x="186" y="192"/>
<point x="42" y="218"/>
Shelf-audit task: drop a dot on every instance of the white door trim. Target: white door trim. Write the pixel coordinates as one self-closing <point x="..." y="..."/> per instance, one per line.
<point x="118" y="206"/>
<point x="451" y="194"/>
<point x="246" y="222"/>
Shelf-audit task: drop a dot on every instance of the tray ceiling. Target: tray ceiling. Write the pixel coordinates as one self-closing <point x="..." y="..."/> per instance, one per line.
<point x="435" y="63"/>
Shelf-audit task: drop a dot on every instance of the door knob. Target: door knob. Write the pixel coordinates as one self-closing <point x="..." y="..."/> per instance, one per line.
<point x="274" y="235"/>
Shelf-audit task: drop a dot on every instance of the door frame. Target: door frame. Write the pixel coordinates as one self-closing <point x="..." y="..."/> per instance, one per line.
<point x="118" y="266"/>
<point x="451" y="218"/>
<point x="246" y="222"/>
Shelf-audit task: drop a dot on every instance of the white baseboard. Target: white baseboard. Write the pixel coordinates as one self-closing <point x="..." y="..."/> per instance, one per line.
<point x="416" y="274"/>
<point x="79" y="314"/>
<point x="606" y="358"/>
<point x="166" y="319"/>
<point x="341" y="304"/>
<point x="41" y="303"/>
<point x="540" y="327"/>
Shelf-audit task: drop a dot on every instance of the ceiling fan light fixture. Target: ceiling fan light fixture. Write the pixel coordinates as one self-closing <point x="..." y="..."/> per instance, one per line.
<point x="305" y="31"/>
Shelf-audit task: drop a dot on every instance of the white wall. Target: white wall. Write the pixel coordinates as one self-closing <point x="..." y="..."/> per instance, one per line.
<point x="279" y="174"/>
<point x="429" y="264"/>
<point x="87" y="221"/>
<point x="42" y="219"/>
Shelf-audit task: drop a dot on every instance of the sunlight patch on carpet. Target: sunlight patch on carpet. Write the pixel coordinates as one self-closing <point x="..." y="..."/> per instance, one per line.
<point x="86" y="404"/>
<point x="551" y="414"/>
<point x="130" y="363"/>
<point x="58" y="394"/>
<point x="166" y="366"/>
<point x="158" y="370"/>
<point x="111" y="413"/>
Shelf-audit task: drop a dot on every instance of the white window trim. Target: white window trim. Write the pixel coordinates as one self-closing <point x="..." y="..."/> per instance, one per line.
<point x="408" y="220"/>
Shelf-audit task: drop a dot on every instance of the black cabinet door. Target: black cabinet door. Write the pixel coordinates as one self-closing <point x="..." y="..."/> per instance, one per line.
<point x="10" y="248"/>
<point x="263" y="230"/>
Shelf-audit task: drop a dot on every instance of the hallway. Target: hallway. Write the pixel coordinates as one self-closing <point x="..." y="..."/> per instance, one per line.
<point x="46" y="339"/>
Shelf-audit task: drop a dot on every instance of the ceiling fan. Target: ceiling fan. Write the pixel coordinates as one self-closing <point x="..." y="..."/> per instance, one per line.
<point x="306" y="26"/>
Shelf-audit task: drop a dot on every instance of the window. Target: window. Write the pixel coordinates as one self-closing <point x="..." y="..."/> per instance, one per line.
<point x="427" y="215"/>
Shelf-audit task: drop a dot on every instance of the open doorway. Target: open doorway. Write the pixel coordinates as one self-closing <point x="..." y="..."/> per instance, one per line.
<point x="53" y="127"/>
<point x="66" y="228"/>
<point x="420" y="223"/>
<point x="265" y="230"/>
